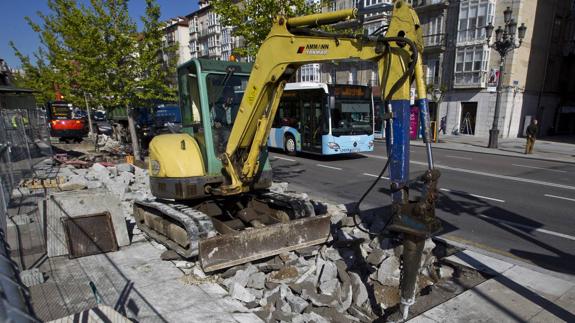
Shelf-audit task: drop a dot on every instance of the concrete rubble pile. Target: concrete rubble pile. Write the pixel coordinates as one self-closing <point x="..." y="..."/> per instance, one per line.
<point x="125" y="181"/>
<point x="109" y="145"/>
<point x="353" y="278"/>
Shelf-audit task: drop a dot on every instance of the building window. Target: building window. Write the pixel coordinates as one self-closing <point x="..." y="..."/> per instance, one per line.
<point x="474" y="15"/>
<point x="432" y="74"/>
<point x="213" y="19"/>
<point x="471" y="65"/>
<point x="309" y="73"/>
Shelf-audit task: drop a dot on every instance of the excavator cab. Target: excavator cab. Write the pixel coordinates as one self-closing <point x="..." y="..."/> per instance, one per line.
<point x="210" y="96"/>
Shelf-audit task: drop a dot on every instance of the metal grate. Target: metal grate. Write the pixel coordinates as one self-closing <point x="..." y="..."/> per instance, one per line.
<point x="90" y="234"/>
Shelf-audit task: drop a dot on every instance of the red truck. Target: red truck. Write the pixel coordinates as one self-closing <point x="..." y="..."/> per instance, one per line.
<point x="65" y="122"/>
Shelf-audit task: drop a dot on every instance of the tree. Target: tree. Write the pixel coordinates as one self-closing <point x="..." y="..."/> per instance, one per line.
<point x="156" y="63"/>
<point x="252" y="19"/>
<point x="97" y="49"/>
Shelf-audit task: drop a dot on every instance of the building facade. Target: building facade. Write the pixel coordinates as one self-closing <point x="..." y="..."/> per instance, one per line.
<point x="459" y="63"/>
<point x="465" y="70"/>
<point x="208" y="38"/>
<point x="176" y="32"/>
<point x="360" y="73"/>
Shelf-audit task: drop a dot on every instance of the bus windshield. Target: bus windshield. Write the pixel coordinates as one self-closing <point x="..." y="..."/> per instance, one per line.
<point x="351" y="110"/>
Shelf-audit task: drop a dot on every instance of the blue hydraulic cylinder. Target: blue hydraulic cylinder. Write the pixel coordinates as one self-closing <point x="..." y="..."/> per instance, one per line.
<point x="425" y="128"/>
<point x="423" y="106"/>
<point x="398" y="148"/>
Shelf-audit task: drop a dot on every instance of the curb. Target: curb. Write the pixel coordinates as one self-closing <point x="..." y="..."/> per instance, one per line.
<point x="516" y="155"/>
<point x="506" y="259"/>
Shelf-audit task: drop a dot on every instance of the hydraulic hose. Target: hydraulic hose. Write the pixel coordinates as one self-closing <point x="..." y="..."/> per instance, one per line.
<point x="394" y="88"/>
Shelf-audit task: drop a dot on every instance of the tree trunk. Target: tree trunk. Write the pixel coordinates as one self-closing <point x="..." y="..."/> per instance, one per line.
<point x="134" y="134"/>
<point x="89" y="116"/>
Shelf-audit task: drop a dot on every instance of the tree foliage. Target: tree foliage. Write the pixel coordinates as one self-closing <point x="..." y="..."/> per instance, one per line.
<point x="97" y="49"/>
<point x="252" y="19"/>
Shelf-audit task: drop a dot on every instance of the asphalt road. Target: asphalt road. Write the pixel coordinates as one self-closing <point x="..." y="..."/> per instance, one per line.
<point x="518" y="207"/>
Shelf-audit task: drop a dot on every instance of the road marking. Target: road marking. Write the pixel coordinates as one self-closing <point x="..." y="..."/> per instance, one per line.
<point x="474" y="195"/>
<point x="330" y="167"/>
<point x="560" y="197"/>
<point x="283" y="158"/>
<point x="528" y="227"/>
<point x="469" y="171"/>
<point x="547" y="169"/>
<point x="372" y="175"/>
<point x="458" y="157"/>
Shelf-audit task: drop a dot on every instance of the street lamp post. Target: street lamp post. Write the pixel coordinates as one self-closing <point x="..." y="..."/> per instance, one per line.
<point x="503" y="44"/>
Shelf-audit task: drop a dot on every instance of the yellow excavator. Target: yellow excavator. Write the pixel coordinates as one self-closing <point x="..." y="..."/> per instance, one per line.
<point x="211" y="181"/>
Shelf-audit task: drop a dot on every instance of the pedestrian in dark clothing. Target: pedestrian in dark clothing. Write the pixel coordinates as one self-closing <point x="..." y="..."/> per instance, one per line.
<point x="443" y="125"/>
<point x="531" y="135"/>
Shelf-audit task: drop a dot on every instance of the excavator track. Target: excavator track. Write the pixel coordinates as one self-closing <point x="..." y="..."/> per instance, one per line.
<point x="224" y="233"/>
<point x="184" y="224"/>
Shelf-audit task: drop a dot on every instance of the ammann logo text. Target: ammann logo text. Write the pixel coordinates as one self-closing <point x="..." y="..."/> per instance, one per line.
<point x="314" y="49"/>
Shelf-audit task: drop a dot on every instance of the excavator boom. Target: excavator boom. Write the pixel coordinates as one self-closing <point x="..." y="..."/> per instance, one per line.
<point x="290" y="44"/>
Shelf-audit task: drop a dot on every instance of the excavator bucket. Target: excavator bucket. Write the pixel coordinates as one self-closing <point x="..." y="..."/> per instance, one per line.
<point x="232" y="249"/>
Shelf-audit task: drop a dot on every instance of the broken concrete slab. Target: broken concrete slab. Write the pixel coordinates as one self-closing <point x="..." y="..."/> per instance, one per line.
<point x="125" y="167"/>
<point x="388" y="272"/>
<point x="328" y="272"/>
<point x="240" y="293"/>
<point x="257" y="280"/>
<point x="309" y="317"/>
<point x="63" y="205"/>
<point x="376" y="257"/>
<point x="297" y="303"/>
<point x="329" y="287"/>
<point x="359" y="290"/>
<point x="31" y="277"/>
<point x="345" y="297"/>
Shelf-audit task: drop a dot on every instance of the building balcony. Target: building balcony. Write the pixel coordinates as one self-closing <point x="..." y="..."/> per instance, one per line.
<point x="470" y="80"/>
<point x="214" y="52"/>
<point x="434" y="42"/>
<point x="203" y="33"/>
<point x="421" y="6"/>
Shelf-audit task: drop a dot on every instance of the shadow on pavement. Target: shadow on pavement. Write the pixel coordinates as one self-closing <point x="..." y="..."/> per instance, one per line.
<point x="467" y="205"/>
<point x="532" y="296"/>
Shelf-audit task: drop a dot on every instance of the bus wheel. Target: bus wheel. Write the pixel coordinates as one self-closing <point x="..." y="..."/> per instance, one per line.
<point x="289" y="145"/>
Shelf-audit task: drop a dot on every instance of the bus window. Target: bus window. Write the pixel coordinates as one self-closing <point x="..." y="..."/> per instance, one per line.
<point x="288" y="113"/>
<point x="351" y="118"/>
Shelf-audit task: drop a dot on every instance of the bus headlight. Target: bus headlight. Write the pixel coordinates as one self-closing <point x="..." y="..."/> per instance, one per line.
<point x="333" y="145"/>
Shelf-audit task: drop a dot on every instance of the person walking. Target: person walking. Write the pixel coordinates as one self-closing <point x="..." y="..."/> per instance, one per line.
<point x="531" y="135"/>
<point x="443" y="125"/>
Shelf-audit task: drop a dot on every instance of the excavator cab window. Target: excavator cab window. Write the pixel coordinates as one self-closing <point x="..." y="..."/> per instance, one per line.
<point x="225" y="92"/>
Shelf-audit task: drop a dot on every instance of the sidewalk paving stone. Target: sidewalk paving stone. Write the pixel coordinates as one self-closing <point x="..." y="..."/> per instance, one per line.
<point x="514" y="294"/>
<point x="479" y="262"/>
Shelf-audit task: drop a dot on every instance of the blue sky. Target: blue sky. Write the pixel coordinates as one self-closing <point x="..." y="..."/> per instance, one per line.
<point x="14" y="27"/>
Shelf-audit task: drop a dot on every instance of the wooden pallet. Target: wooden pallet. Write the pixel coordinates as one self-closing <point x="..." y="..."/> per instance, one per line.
<point x="37" y="183"/>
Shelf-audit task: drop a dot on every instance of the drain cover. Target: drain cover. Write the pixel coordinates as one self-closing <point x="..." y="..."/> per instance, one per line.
<point x="90" y="234"/>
